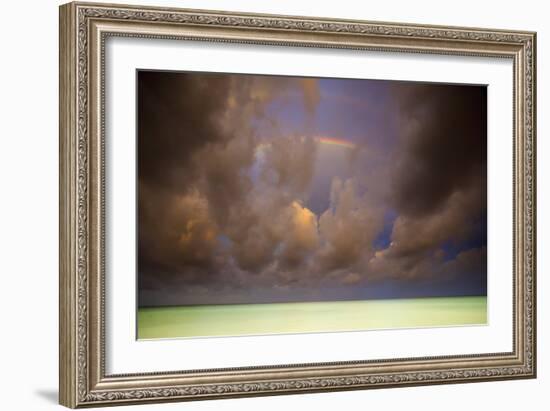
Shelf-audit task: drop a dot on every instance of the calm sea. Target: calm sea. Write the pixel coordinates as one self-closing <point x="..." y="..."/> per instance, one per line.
<point x="284" y="318"/>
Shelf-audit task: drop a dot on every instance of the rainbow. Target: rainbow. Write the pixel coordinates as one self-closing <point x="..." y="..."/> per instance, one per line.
<point x="335" y="142"/>
<point x="331" y="141"/>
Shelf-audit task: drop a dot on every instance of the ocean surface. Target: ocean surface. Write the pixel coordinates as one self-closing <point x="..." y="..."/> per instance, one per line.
<point x="308" y="317"/>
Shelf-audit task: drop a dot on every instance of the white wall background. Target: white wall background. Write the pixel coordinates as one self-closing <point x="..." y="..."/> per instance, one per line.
<point x="29" y="193"/>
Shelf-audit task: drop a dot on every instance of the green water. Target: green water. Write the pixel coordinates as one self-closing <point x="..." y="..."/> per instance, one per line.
<point x="254" y="319"/>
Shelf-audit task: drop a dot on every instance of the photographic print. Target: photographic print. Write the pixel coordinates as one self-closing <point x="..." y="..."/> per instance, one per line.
<point x="277" y="204"/>
<point x="261" y="204"/>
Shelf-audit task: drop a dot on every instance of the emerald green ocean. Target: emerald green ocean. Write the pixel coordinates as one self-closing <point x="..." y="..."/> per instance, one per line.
<point x="307" y="317"/>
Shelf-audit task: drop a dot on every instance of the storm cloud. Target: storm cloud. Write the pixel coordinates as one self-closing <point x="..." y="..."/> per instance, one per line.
<point x="232" y="167"/>
<point x="443" y="146"/>
<point x="439" y="181"/>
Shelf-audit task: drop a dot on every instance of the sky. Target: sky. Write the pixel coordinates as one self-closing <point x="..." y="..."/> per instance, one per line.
<point x="263" y="189"/>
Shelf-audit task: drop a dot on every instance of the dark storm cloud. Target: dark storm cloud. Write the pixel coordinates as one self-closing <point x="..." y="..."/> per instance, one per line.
<point x="182" y="123"/>
<point x="196" y="145"/>
<point x="177" y="115"/>
<point x="443" y="145"/>
<point x="438" y="183"/>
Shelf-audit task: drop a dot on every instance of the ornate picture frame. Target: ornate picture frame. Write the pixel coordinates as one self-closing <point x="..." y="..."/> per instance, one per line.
<point x="84" y="29"/>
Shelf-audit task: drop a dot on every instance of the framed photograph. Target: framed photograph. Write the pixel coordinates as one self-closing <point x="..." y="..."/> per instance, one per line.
<point x="258" y="204"/>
